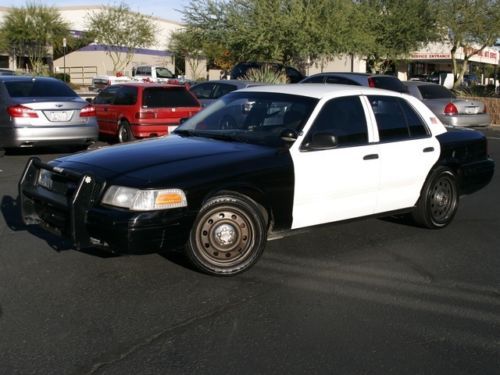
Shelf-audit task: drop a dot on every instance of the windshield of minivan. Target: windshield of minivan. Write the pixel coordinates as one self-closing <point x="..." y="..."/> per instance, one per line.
<point x="251" y="117"/>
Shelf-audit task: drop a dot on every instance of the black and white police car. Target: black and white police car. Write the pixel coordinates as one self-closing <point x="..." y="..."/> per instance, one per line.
<point x="260" y="162"/>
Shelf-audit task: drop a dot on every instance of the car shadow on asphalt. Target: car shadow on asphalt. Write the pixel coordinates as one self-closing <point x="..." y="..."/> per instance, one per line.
<point x="11" y="212"/>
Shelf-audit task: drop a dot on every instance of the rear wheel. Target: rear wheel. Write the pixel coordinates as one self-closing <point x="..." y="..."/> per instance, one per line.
<point x="228" y="235"/>
<point x="438" y="202"/>
<point x="125" y="132"/>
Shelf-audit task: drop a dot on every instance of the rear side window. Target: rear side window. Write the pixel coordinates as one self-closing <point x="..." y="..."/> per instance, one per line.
<point x="223" y="89"/>
<point x="38" y="88"/>
<point x="396" y="119"/>
<point x="388" y="83"/>
<point x="155" y="97"/>
<point x="107" y="96"/>
<point x="126" y="95"/>
<point x="344" y="118"/>
<point x="341" y="80"/>
<point x="435" y="92"/>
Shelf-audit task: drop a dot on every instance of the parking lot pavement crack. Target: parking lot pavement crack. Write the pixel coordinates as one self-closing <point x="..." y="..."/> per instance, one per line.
<point x="177" y="327"/>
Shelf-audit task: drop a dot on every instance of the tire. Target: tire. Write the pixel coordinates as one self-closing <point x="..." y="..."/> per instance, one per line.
<point x="125" y="132"/>
<point x="438" y="202"/>
<point x="228" y="235"/>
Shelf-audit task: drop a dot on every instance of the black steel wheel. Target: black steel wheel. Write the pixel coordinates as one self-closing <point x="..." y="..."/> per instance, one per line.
<point x="125" y="132"/>
<point x="438" y="202"/>
<point x="228" y="235"/>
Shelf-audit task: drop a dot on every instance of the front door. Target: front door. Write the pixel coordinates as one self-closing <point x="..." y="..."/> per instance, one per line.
<point x="336" y="178"/>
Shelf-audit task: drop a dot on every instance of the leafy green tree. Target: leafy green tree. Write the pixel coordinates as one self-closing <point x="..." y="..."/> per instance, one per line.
<point x="121" y="31"/>
<point x="32" y="31"/>
<point x="391" y="29"/>
<point x="287" y="31"/>
<point x="469" y="26"/>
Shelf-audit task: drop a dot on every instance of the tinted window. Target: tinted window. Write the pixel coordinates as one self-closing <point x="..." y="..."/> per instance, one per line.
<point x="344" y="118"/>
<point x="340" y="80"/>
<point x="126" y="95"/>
<point x="38" y="88"/>
<point x="222" y="89"/>
<point x="435" y="92"/>
<point x="203" y="90"/>
<point x="154" y="97"/>
<point x="388" y="83"/>
<point x="106" y="96"/>
<point x="396" y="120"/>
<point x="314" y="79"/>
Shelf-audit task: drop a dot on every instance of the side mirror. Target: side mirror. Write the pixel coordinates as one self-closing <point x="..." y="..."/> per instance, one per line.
<point x="323" y="141"/>
<point x="289" y="135"/>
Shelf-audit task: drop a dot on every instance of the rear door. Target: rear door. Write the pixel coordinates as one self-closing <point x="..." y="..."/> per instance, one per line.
<point x="406" y="149"/>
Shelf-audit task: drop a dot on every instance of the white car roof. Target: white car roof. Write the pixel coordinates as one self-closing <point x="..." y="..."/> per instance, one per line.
<point x="319" y="91"/>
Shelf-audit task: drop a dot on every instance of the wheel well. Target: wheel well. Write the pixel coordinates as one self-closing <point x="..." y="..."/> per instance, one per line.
<point x="256" y="196"/>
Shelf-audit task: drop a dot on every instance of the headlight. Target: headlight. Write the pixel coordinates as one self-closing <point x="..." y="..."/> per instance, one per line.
<point x="144" y="200"/>
<point x="45" y="179"/>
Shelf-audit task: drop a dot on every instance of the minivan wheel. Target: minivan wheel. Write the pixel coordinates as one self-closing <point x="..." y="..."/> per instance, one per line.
<point x="125" y="132"/>
<point x="228" y="235"/>
<point x="438" y="202"/>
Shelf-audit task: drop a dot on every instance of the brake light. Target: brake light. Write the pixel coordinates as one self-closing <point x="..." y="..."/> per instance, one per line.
<point x="450" y="109"/>
<point x="371" y="82"/>
<point x="145" y="115"/>
<point x="21" y="111"/>
<point x="88" y="111"/>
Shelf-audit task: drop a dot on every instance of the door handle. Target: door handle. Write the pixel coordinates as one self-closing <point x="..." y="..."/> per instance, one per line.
<point x="370" y="157"/>
<point x="429" y="149"/>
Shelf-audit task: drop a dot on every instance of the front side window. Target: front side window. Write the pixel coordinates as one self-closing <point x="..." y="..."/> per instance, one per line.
<point x="222" y="89"/>
<point x="164" y="73"/>
<point x="203" y="90"/>
<point x="396" y="119"/>
<point x="344" y="118"/>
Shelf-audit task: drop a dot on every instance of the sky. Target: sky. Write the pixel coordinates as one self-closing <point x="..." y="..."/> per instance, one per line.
<point x="159" y="8"/>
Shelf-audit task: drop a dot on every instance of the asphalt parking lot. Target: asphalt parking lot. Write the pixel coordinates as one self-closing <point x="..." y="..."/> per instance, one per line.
<point x="377" y="296"/>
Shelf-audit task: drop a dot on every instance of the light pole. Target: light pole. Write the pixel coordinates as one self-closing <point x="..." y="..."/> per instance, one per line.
<point x="64" y="58"/>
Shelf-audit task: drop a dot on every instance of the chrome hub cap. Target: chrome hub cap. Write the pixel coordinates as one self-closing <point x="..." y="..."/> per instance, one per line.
<point x="225" y="234"/>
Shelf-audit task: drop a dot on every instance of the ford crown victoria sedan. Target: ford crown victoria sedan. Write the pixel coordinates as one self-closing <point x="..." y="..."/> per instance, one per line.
<point x="260" y="163"/>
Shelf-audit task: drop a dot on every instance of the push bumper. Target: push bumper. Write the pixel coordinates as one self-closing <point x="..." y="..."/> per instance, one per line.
<point x="72" y="211"/>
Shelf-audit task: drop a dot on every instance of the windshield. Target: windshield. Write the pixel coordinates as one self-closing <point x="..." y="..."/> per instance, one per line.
<point x="164" y="73"/>
<point x="251" y="117"/>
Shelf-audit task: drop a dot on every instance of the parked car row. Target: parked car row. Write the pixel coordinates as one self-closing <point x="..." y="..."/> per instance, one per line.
<point x="44" y="111"/>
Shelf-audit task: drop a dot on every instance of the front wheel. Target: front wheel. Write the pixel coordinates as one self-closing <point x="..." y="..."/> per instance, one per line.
<point x="228" y="235"/>
<point x="438" y="202"/>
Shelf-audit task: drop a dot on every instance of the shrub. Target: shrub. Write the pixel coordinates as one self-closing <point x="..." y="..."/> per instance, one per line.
<point x="266" y="74"/>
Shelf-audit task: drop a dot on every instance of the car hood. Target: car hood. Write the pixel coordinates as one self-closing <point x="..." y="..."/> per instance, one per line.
<point x="149" y="160"/>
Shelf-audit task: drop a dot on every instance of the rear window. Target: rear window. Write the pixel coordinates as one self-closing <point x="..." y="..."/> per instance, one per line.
<point x="38" y="88"/>
<point x="155" y="97"/>
<point x="435" y="92"/>
<point x="389" y="83"/>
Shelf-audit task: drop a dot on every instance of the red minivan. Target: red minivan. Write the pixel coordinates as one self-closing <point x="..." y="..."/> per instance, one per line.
<point x="139" y="110"/>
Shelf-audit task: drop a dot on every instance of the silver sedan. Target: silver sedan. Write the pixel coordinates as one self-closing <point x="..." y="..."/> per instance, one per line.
<point x="447" y="107"/>
<point x="43" y="111"/>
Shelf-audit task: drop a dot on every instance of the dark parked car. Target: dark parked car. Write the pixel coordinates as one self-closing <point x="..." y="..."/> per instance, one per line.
<point x="7" y="72"/>
<point x="447" y="107"/>
<point x="294" y="156"/>
<point x="379" y="81"/>
<point x="240" y="70"/>
<point x="140" y="110"/>
<point x="208" y="92"/>
<point x="43" y="111"/>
